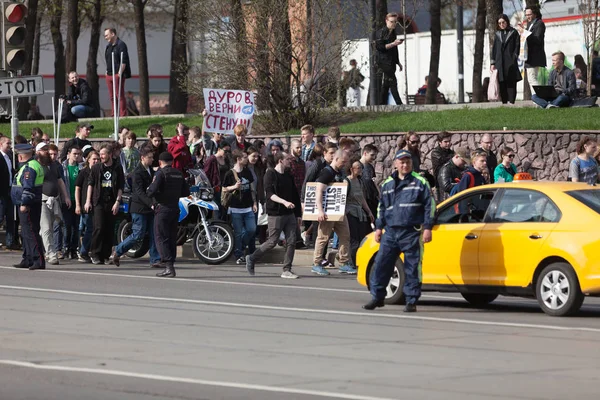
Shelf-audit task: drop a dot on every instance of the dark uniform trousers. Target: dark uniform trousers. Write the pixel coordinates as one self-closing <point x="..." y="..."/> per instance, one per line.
<point x="104" y="231"/>
<point x="165" y="232"/>
<point x="394" y="241"/>
<point x="33" y="253"/>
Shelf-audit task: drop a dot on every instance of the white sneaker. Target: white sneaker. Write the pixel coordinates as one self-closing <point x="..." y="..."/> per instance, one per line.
<point x="289" y="275"/>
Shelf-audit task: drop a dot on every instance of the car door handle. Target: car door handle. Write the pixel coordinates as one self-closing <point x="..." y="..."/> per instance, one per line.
<point x="471" y="236"/>
<point x="535" y="236"/>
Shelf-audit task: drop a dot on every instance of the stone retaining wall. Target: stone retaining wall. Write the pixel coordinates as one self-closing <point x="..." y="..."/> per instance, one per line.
<point x="545" y="155"/>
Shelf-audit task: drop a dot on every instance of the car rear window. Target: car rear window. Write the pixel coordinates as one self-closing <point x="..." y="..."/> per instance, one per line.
<point x="590" y="198"/>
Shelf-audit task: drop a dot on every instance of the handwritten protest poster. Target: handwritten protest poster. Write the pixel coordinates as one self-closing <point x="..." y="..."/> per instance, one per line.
<point x="227" y="108"/>
<point x="334" y="202"/>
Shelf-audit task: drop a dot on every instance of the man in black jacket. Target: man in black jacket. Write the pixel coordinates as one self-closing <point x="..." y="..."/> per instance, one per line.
<point x="284" y="211"/>
<point x="80" y="140"/>
<point x="6" y="205"/>
<point x="121" y="69"/>
<point x="485" y="145"/>
<point x="105" y="188"/>
<point x="142" y="214"/>
<point x="387" y="44"/>
<point x="167" y="187"/>
<point x="536" y="55"/>
<point x="442" y="153"/>
<point x="79" y="98"/>
<point x="451" y="172"/>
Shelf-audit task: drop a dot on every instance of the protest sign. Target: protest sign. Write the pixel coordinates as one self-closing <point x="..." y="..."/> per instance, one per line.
<point x="334" y="202"/>
<point x="227" y="108"/>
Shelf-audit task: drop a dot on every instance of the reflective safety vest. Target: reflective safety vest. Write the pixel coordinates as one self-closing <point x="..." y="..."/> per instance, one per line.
<point x="39" y="173"/>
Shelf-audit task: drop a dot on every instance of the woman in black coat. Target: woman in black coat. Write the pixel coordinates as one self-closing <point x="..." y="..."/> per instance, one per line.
<point x="505" y="53"/>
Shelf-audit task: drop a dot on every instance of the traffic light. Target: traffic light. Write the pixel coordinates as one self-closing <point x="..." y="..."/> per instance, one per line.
<point x="13" y="30"/>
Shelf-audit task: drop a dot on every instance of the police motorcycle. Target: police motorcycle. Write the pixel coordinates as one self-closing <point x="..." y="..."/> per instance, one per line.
<point x="212" y="240"/>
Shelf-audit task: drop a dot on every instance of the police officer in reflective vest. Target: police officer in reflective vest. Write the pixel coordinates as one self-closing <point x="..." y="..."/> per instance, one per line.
<point x="406" y="211"/>
<point x="26" y="194"/>
<point x="167" y="187"/>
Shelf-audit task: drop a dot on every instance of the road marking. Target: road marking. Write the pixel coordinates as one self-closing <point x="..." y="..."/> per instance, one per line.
<point x="234" y="385"/>
<point x="306" y="310"/>
<point x="324" y="289"/>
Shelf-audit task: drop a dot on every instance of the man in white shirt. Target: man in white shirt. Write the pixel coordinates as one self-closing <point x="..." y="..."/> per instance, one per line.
<point x="6" y="205"/>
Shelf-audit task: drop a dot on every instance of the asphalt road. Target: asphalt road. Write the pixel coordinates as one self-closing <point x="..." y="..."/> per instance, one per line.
<point x="78" y="331"/>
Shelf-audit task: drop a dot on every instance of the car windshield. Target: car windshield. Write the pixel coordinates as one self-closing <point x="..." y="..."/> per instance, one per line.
<point x="590" y="198"/>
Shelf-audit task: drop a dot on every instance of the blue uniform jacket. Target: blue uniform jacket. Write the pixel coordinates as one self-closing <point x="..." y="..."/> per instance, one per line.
<point x="24" y="190"/>
<point x="405" y="202"/>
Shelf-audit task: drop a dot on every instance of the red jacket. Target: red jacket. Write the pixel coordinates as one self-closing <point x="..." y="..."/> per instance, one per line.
<point x="182" y="158"/>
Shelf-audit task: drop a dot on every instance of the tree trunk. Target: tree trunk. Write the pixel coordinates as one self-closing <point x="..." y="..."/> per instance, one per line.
<point x="478" y="94"/>
<point x="35" y="54"/>
<point x="239" y="27"/>
<point x="73" y="28"/>
<point x="260" y="65"/>
<point x="59" y="49"/>
<point x="30" y="20"/>
<point x="140" y="34"/>
<point x="178" y="96"/>
<point x="91" y="73"/>
<point x="494" y="9"/>
<point x="382" y="10"/>
<point x="435" y="11"/>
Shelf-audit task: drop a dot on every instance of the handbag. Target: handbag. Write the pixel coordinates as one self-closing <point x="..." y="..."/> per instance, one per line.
<point x="226" y="196"/>
<point x="493" y="88"/>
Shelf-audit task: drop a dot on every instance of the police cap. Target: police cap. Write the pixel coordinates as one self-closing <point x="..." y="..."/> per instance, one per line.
<point x="165" y="156"/>
<point x="23" y="148"/>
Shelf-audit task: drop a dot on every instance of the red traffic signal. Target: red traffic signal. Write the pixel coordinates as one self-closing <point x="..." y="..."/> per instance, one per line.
<point x="15" y="13"/>
<point x="13" y="29"/>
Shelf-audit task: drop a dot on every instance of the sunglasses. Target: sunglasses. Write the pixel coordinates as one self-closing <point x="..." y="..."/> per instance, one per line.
<point x="511" y="156"/>
<point x="414" y="141"/>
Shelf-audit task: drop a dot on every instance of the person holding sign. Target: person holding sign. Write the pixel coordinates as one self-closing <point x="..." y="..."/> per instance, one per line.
<point x="332" y="173"/>
<point x="406" y="212"/>
<point x="284" y="211"/>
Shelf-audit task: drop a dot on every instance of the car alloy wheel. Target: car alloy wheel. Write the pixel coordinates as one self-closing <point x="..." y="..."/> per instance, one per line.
<point x="557" y="290"/>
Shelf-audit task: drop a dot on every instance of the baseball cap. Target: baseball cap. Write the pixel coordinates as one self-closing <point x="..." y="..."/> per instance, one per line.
<point x="85" y="125"/>
<point x="463" y="153"/>
<point x="41" y="146"/>
<point x="86" y="150"/>
<point x="402" y="154"/>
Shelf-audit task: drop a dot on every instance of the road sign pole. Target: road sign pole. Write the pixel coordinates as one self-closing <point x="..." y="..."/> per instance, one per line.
<point x="14" y="121"/>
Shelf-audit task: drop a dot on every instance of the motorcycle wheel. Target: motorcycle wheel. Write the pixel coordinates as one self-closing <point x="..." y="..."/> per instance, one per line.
<point x="223" y="240"/>
<point x="139" y="249"/>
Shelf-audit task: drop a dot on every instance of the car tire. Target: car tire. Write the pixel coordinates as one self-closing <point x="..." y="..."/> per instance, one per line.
<point x="557" y="290"/>
<point x="479" y="299"/>
<point x="394" y="294"/>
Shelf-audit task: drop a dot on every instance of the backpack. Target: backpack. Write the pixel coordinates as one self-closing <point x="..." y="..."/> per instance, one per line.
<point x="226" y="196"/>
<point x="471" y="183"/>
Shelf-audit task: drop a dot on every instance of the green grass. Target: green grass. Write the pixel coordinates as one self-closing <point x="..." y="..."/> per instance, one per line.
<point x="104" y="128"/>
<point x="513" y="118"/>
<point x="479" y="120"/>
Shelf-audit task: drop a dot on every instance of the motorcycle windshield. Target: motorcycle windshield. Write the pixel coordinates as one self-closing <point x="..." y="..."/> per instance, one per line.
<point x="200" y="178"/>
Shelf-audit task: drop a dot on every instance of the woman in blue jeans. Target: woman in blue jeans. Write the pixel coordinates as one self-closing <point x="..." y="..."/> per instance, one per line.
<point x="242" y="205"/>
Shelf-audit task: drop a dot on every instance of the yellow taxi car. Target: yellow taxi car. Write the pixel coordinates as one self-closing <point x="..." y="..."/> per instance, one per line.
<point x="525" y="238"/>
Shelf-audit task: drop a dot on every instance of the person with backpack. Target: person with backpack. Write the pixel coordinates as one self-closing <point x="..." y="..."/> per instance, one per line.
<point x="284" y="212"/>
<point x="583" y="167"/>
<point x="506" y="170"/>
<point x="239" y="196"/>
<point x="473" y="176"/>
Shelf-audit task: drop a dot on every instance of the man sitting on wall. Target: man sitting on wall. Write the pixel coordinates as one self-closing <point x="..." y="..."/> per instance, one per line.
<point x="563" y="80"/>
<point x="78" y="102"/>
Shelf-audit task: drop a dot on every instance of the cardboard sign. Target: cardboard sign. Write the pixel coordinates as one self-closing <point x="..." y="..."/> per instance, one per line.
<point x="334" y="202"/>
<point x="227" y="108"/>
